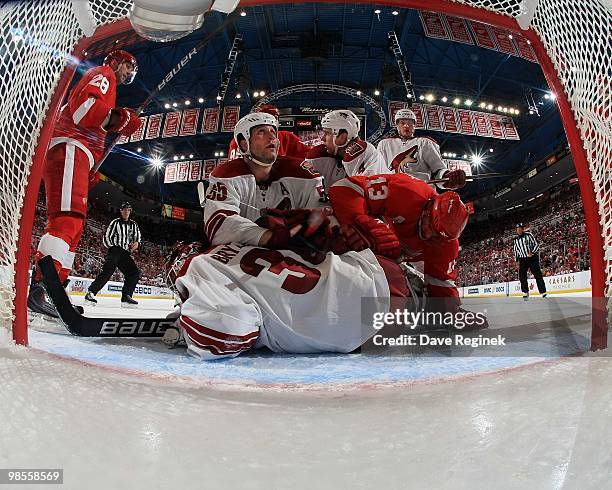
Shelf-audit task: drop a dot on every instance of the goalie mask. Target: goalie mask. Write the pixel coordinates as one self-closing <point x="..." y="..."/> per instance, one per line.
<point x="338" y="121"/>
<point x="445" y="216"/>
<point x="176" y="259"/>
<point x="119" y="56"/>
<point x="243" y="131"/>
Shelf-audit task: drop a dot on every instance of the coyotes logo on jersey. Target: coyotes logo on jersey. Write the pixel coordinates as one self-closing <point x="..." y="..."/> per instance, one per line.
<point x="403" y="160"/>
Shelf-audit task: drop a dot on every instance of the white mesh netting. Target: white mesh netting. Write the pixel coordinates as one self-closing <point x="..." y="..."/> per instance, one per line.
<point x="38" y="37"/>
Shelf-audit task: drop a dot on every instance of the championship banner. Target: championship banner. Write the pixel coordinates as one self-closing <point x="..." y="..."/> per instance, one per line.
<point x="182" y="171"/>
<point x="504" y="43"/>
<point x="459" y="165"/>
<point x="195" y="170"/>
<point x="209" y="166"/>
<point x="395" y="106"/>
<point x="434" y="122"/>
<point x="154" y="127"/>
<point x="170" y="174"/>
<point x="458" y="29"/>
<point x="510" y="132"/>
<point x="138" y="135"/>
<point x="190" y="122"/>
<point x="482" y="124"/>
<point x="122" y="139"/>
<point x="433" y="25"/>
<point x="449" y="120"/>
<point x="231" y="114"/>
<point x="483" y="36"/>
<point x="496" y="126"/>
<point x="221" y="161"/>
<point x="210" y="121"/>
<point x="525" y="50"/>
<point x="178" y="213"/>
<point x="466" y="125"/>
<point x="171" y="125"/>
<point x="420" y="117"/>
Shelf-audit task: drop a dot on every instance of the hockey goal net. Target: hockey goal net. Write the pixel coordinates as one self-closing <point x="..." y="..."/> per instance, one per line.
<point x="43" y="41"/>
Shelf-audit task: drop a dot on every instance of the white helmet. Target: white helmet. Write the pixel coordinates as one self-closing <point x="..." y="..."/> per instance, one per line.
<point x="404" y="114"/>
<point x="342" y="120"/>
<point x="246" y="124"/>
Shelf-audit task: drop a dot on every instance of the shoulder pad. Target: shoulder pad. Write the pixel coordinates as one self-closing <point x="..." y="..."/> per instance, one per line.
<point x="354" y="149"/>
<point x="233" y="168"/>
<point x="293" y="167"/>
<point x="319" y="151"/>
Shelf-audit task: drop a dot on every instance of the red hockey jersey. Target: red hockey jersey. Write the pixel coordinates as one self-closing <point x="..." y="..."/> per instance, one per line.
<point x="88" y="106"/>
<point x="400" y="199"/>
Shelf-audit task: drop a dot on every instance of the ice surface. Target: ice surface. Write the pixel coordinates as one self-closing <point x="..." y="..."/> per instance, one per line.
<point x="135" y="415"/>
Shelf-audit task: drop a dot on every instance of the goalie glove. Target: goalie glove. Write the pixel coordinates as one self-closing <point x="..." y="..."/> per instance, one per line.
<point x="456" y="179"/>
<point x="368" y="232"/>
<point x="124" y="121"/>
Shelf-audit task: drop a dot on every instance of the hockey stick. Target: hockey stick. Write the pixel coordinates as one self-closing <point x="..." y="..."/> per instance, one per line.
<point x="171" y="74"/>
<point x="83" y="326"/>
<point x="473" y="178"/>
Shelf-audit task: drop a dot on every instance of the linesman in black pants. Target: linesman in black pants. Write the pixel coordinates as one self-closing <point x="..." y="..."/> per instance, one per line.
<point x="526" y="252"/>
<point x="121" y="238"/>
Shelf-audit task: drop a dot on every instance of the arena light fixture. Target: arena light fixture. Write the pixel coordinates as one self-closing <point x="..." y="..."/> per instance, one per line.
<point x="421" y="97"/>
<point x="216" y="153"/>
<point x="221" y="154"/>
<point x="444" y="99"/>
<point x="377" y="11"/>
<point x="201" y="100"/>
<point x="262" y="93"/>
<point x="395" y="12"/>
<point x="176" y="157"/>
<point x="376" y="92"/>
<point x="139" y="149"/>
<point x="243" y="14"/>
<point x="456" y="101"/>
<point x="187" y="102"/>
<point x="430" y="98"/>
<point x="174" y="104"/>
<point x="490" y="107"/>
<point x="156" y="162"/>
<point x="477" y="160"/>
<point x="256" y="94"/>
<point x="182" y="157"/>
<point x="166" y="106"/>
<point x="238" y="96"/>
<point x="468" y="102"/>
<point x="191" y="155"/>
<point x="358" y="92"/>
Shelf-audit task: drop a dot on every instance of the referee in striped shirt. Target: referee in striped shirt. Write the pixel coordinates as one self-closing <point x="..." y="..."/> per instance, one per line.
<point x="526" y="252"/>
<point x="121" y="238"/>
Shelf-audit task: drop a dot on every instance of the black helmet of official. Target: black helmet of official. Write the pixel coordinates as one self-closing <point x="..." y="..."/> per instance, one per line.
<point x="125" y="204"/>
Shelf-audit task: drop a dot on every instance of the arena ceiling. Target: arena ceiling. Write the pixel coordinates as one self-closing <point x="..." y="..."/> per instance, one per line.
<point x="342" y="44"/>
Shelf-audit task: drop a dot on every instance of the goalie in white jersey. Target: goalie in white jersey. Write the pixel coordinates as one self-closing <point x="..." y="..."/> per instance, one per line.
<point x="237" y="298"/>
<point x="342" y="153"/>
<point x="417" y="156"/>
<point x="239" y="189"/>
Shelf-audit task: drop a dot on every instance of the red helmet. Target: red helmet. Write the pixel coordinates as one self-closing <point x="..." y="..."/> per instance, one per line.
<point x="121" y="56"/>
<point x="269" y="109"/>
<point x="449" y="215"/>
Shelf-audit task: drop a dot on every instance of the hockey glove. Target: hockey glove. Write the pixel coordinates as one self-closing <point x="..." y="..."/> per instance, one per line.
<point x="456" y="179"/>
<point x="125" y="121"/>
<point x="368" y="232"/>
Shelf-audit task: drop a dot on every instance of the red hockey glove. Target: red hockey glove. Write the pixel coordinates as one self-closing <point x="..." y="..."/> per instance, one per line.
<point x="368" y="232"/>
<point x="456" y="179"/>
<point x="94" y="179"/>
<point x="126" y="121"/>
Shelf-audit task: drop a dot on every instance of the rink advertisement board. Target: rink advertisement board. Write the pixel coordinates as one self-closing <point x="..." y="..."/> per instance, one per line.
<point x="78" y="286"/>
<point x="574" y="282"/>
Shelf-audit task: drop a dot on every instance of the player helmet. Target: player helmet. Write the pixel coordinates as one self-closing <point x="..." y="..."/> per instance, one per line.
<point x="269" y="109"/>
<point x="244" y="127"/>
<point x="121" y="56"/>
<point x="404" y="114"/>
<point x="448" y="215"/>
<point x="342" y="120"/>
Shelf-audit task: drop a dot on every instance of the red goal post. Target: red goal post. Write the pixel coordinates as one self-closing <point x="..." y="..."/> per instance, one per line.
<point x="43" y="40"/>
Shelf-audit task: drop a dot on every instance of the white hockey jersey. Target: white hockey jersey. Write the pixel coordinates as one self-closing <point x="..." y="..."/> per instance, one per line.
<point x="234" y="199"/>
<point x="419" y="157"/>
<point x="360" y="158"/>
<point x="240" y="297"/>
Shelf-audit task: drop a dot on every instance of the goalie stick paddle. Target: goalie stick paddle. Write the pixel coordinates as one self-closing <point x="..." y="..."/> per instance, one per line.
<point x="171" y="74"/>
<point x="83" y="326"/>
